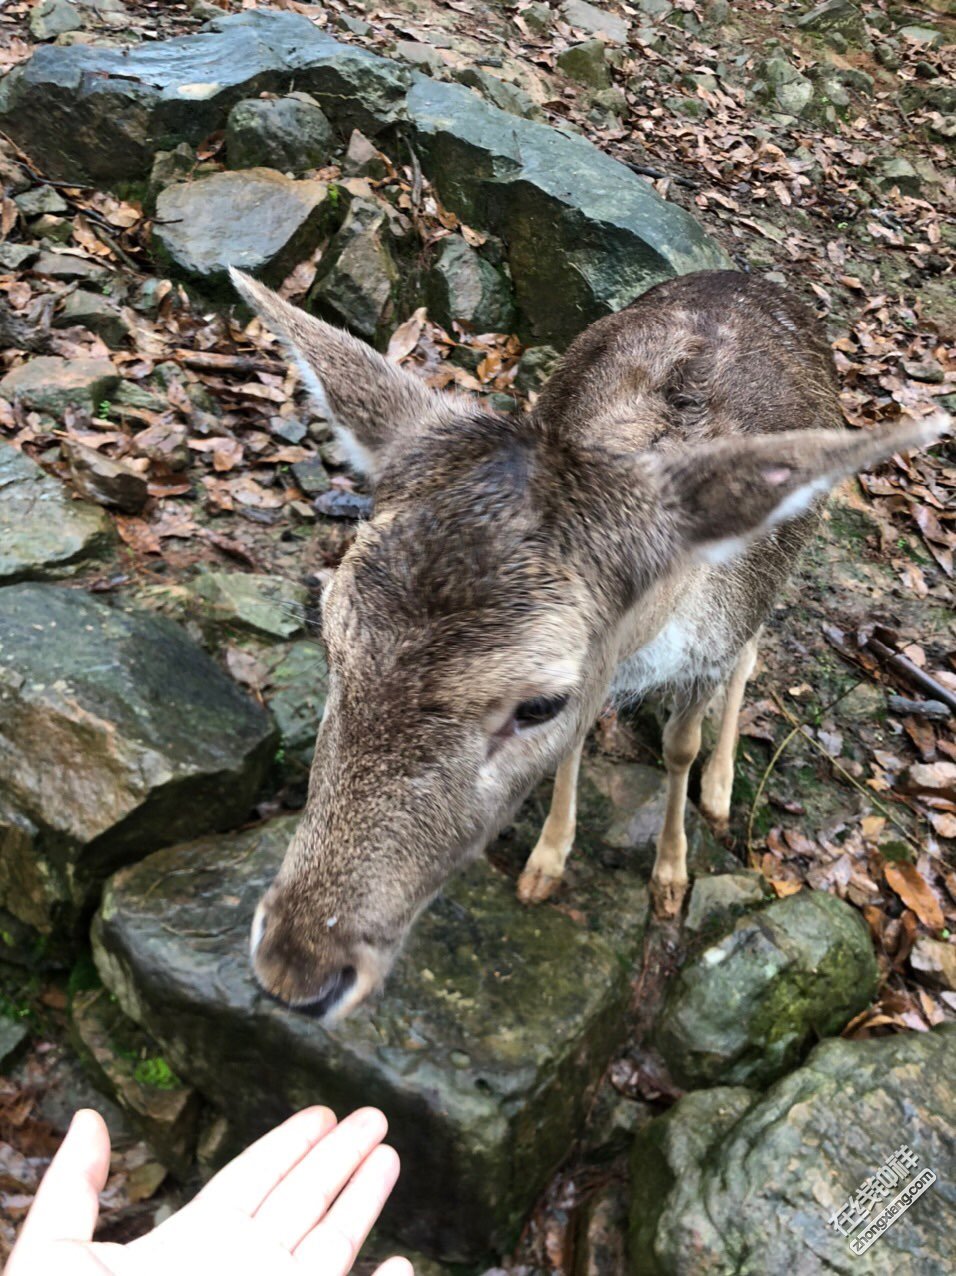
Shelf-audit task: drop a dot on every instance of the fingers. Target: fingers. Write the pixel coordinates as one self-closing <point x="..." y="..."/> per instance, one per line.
<point x="333" y="1245"/>
<point x="395" y="1267"/>
<point x="290" y="1212"/>
<point x="247" y="1181"/>
<point x="66" y="1205"/>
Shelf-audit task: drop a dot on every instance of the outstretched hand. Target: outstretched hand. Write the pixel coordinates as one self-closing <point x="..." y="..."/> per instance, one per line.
<point x="301" y="1199"/>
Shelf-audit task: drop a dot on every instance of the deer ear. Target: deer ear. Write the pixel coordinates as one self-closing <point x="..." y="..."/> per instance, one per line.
<point x="721" y="496"/>
<point x="371" y="403"/>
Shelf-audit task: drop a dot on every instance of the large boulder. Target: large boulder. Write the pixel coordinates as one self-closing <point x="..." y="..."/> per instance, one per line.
<point x="745" y="1008"/>
<point x="99" y="763"/>
<point x="43" y="532"/>
<point x="289" y="133"/>
<point x="258" y="220"/>
<point x="732" y="1184"/>
<point x="585" y="235"/>
<point x="99" y="114"/>
<point x="484" y="1049"/>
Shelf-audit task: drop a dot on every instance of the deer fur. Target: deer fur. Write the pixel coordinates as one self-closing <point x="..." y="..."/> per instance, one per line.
<point x="627" y="536"/>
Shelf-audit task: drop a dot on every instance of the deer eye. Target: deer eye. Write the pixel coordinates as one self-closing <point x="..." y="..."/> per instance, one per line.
<point x="531" y="713"/>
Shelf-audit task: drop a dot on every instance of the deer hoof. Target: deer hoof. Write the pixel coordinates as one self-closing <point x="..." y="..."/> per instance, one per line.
<point x="667" y="899"/>
<point x="534" y="886"/>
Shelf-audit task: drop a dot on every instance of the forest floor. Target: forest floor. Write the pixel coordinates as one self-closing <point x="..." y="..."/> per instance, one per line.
<point x="846" y="779"/>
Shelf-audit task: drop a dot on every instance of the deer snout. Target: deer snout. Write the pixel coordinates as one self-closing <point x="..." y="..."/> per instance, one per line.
<point x="317" y="979"/>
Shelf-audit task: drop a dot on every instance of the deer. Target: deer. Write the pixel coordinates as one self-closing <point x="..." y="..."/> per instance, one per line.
<point x="627" y="535"/>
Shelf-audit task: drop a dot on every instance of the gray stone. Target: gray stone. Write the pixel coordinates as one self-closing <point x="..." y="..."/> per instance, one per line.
<point x="836" y="15"/>
<point x="507" y="97"/>
<point x="94" y="312"/>
<point x="51" y="384"/>
<point x="578" y="225"/>
<point x="105" y="481"/>
<point x="464" y="288"/>
<point x="51" y="18"/>
<point x="655" y="8"/>
<point x="43" y="533"/>
<point x="357" y="272"/>
<point x="534" y="367"/>
<point x="713" y="900"/>
<point x="925" y="37"/>
<point x="483" y="1049"/>
<point x="127" y="1066"/>
<point x="241" y="602"/>
<point x="898" y="173"/>
<point x="538" y="17"/>
<point x="295" y="691"/>
<point x="13" y="1033"/>
<point x="258" y="219"/>
<point x="586" y="63"/>
<point x="748" y="1006"/>
<point x="176" y="165"/>
<point x="311" y="476"/>
<point x="289" y="133"/>
<point x="17" y="256"/>
<point x="424" y="57"/>
<point x="594" y="21"/>
<point x="363" y="158"/>
<point x="783" y="86"/>
<point x="97" y="757"/>
<point x="94" y="113"/>
<point x="731" y="1182"/>
<point x="67" y="267"/>
<point x="40" y="199"/>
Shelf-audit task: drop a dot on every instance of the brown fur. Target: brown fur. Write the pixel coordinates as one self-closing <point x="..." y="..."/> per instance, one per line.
<point x="553" y="553"/>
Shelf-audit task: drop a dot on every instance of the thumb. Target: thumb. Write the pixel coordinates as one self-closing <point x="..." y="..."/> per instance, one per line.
<point x="67" y="1205"/>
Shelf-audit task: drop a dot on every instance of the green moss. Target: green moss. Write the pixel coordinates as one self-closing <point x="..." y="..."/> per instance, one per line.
<point x="157" y="1073"/>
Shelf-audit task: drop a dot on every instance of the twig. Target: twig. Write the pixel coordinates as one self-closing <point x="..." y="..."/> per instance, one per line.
<point x="867" y="793"/>
<point x="912" y="672"/>
<point x="919" y="708"/>
<point x="210" y="361"/>
<point x="106" y="238"/>
<point x="646" y="170"/>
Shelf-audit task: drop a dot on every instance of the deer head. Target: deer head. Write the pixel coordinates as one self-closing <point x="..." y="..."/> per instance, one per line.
<point x="473" y="628"/>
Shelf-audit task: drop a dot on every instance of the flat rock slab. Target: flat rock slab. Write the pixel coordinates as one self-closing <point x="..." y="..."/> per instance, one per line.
<point x="258" y="220"/>
<point x="729" y="1183"/>
<point x="584" y="235"/>
<point x="483" y="1051"/>
<point x="52" y="384"/>
<point x="99" y="764"/>
<point x="43" y="532"/>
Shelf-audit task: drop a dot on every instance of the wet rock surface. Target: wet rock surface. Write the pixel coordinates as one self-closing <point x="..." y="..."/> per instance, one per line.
<point x="729" y="1182"/>
<point x="483" y="1049"/>
<point x="43" y="533"/>
<point x="746" y="1007"/>
<point x="100" y="764"/>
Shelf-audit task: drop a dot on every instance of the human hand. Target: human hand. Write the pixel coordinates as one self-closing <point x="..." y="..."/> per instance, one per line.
<point x="302" y="1199"/>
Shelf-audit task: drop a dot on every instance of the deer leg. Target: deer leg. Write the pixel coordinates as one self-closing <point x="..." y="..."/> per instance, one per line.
<point x="717" y="780"/>
<point x="681" y="746"/>
<point x="541" y="875"/>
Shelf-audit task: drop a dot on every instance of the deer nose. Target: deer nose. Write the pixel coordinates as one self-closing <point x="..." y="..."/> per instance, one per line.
<point x="331" y="992"/>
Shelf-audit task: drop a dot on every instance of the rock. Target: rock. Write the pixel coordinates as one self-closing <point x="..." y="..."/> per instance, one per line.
<point x="925" y="37"/>
<point x="40" y="199"/>
<point x="66" y="267"/>
<point x="258" y="219"/>
<point x="464" y="288"/>
<point x="289" y="133"/>
<point x="534" y="367"/>
<point x="578" y="225"/>
<point x="655" y="8"/>
<point x="17" y="256"/>
<point x="363" y="159"/>
<point x="270" y="606"/>
<point x="99" y="114"/>
<point x="728" y="1181"/>
<point x="714" y="900"/>
<point x="105" y="481"/>
<point x="507" y="97"/>
<point x="58" y="230"/>
<point x="836" y="15"/>
<point x="13" y="1033"/>
<point x="177" y="165"/>
<point x="164" y="443"/>
<point x="97" y="756"/>
<point x="783" y="86"/>
<point x="311" y="476"/>
<point x="935" y="958"/>
<point x="51" y="18"/>
<point x="425" y="57"/>
<point x="295" y="691"/>
<point x="94" y="312"/>
<point x="43" y="533"/>
<point x="51" y="384"/>
<point x="484" y="1047"/>
<point x="898" y="173"/>
<point x="127" y="1066"/>
<point x="538" y="18"/>
<point x="587" y="17"/>
<point x="586" y="63"/>
<point x="357" y="272"/>
<point x="747" y="1007"/>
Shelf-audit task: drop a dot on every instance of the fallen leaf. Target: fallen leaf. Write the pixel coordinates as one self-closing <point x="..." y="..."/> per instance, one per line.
<point x="915" y="892"/>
